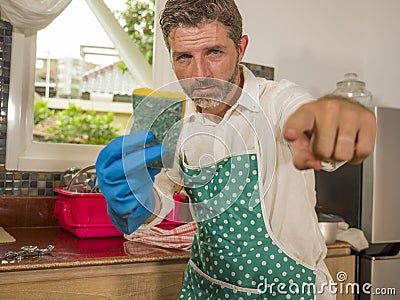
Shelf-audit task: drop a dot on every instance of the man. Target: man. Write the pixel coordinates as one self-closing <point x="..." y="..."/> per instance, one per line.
<point x="247" y="151"/>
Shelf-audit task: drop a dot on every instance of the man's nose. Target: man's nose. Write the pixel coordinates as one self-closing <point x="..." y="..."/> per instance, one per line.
<point x="200" y="68"/>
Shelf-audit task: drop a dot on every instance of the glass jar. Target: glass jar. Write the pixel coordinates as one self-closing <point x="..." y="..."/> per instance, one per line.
<point x="353" y="88"/>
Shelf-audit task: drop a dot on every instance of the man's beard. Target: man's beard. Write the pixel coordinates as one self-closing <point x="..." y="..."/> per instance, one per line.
<point x="221" y="90"/>
<point x="205" y="102"/>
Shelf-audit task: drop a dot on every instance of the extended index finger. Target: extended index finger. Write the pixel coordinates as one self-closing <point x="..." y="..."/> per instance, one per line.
<point x="299" y="123"/>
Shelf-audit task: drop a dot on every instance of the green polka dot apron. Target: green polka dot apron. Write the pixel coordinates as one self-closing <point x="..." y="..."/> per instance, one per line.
<point x="233" y="255"/>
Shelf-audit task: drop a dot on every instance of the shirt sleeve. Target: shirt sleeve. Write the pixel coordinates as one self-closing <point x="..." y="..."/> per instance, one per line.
<point x="281" y="99"/>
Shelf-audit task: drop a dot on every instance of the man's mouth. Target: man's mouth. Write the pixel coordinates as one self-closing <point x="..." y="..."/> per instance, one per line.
<point x="204" y="90"/>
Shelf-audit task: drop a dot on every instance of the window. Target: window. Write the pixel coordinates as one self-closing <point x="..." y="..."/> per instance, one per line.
<point x="77" y="70"/>
<point x="23" y="153"/>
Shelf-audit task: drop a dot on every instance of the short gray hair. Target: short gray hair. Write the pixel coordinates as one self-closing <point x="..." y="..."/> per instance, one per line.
<point x="189" y="13"/>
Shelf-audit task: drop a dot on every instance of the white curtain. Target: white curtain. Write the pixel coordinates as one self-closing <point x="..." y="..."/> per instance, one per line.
<point x="29" y="16"/>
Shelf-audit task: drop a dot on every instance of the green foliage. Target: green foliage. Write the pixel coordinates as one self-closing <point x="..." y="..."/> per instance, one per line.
<point x="81" y="127"/>
<point x="41" y="112"/>
<point x="139" y="19"/>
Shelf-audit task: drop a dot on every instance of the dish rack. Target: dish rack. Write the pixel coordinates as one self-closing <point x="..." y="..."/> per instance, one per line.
<point x="83" y="210"/>
<point x="84" y="214"/>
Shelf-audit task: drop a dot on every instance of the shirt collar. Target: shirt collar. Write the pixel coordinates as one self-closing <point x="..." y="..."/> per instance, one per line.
<point x="249" y="98"/>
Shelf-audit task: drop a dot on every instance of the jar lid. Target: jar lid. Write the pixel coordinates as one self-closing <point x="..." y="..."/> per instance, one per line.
<point x="353" y="88"/>
<point x="350" y="80"/>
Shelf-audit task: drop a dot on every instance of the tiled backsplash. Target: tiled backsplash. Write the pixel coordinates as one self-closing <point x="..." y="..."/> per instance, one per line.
<point x="261" y="71"/>
<point x="16" y="183"/>
<point x="28" y="184"/>
<point x="5" y="57"/>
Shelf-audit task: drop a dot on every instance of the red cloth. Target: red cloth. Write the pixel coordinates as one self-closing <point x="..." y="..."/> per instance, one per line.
<point x="180" y="237"/>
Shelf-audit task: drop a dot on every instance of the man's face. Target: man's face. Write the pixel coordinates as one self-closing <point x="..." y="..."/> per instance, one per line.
<point x="207" y="58"/>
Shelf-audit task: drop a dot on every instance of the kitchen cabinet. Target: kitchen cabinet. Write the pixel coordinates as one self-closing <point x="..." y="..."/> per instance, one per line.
<point x="111" y="268"/>
<point x="147" y="281"/>
<point x="342" y="266"/>
<point x="90" y="269"/>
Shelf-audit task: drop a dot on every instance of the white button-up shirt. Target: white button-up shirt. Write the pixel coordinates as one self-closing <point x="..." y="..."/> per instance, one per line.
<point x="254" y="125"/>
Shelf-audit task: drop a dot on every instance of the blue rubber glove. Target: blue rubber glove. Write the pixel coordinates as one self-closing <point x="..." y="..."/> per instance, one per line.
<point x="125" y="180"/>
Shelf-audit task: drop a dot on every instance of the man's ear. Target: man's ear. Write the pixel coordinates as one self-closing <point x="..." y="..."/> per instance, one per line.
<point x="244" y="41"/>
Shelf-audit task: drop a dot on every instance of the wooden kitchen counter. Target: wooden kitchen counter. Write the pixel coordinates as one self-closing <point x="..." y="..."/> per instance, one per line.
<point x="95" y="268"/>
<point x="71" y="251"/>
<point x="106" y="268"/>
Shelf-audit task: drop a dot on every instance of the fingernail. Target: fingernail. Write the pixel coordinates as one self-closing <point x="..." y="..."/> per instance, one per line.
<point x="290" y="133"/>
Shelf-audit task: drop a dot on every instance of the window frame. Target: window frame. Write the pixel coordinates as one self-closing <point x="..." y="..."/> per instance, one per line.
<point x="22" y="153"/>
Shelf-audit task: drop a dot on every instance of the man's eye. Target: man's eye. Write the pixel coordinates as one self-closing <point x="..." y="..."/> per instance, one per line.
<point x="215" y="52"/>
<point x="183" y="57"/>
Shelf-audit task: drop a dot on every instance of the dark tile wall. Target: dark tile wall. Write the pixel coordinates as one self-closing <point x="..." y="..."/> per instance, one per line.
<point x="16" y="183"/>
<point x="5" y="57"/>
<point x="261" y="71"/>
<point x="28" y="184"/>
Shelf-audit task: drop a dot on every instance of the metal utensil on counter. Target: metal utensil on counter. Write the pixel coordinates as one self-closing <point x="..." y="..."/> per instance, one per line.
<point x="26" y="251"/>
